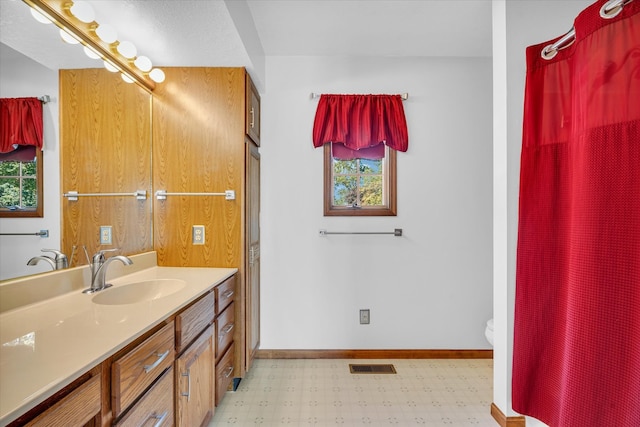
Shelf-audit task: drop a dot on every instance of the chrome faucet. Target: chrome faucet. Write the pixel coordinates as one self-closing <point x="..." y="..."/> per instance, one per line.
<point x="57" y="262"/>
<point x="99" y="266"/>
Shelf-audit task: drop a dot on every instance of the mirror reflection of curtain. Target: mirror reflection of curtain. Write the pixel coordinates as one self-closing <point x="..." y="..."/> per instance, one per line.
<point x="576" y="351"/>
<point x="20" y="123"/>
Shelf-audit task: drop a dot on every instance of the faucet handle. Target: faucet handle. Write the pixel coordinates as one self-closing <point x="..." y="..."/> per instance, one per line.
<point x="99" y="256"/>
<point x="59" y="258"/>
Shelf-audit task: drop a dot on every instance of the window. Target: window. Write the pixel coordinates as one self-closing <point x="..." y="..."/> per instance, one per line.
<point x="21" y="186"/>
<point x="359" y="187"/>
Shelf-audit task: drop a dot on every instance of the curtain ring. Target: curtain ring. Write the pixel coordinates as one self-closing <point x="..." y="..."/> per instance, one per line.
<point x="612" y="8"/>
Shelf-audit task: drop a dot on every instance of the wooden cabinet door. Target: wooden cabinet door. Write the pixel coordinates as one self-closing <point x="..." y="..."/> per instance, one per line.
<point x="195" y="382"/>
<point x="252" y="115"/>
<point x="252" y="291"/>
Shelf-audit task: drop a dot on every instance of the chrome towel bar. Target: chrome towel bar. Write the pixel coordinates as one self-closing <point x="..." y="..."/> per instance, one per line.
<point x="228" y="194"/>
<point x="41" y="233"/>
<point x="395" y="232"/>
<point x="73" y="195"/>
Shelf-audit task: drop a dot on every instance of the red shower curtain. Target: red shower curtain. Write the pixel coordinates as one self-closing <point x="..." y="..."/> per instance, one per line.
<point x="576" y="356"/>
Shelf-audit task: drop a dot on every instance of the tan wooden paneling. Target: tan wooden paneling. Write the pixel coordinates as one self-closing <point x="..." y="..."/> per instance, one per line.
<point x="198" y="128"/>
<point x="105" y="138"/>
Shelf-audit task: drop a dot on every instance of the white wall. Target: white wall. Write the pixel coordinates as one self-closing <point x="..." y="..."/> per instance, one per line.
<point x="518" y="25"/>
<point x="23" y="77"/>
<point x="431" y="288"/>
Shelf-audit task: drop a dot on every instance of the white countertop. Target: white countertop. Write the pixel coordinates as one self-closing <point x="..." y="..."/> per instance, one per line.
<point x="48" y="344"/>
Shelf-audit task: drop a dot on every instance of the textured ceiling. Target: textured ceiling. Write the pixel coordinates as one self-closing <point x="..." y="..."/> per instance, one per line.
<point x="235" y="32"/>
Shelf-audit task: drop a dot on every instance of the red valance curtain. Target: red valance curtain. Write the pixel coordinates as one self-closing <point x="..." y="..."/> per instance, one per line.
<point x="359" y="122"/>
<point x="576" y="351"/>
<point x="20" y="123"/>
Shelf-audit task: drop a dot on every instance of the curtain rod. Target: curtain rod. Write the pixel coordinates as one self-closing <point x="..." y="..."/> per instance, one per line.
<point x="404" y="96"/>
<point x="44" y="99"/>
<point x="609" y="10"/>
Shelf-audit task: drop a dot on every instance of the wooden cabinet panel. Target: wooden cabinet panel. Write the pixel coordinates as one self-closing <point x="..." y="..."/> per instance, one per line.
<point x="225" y="293"/>
<point x="225" y="323"/>
<point x="252" y="116"/>
<point x="224" y="373"/>
<point x="138" y="369"/>
<point x="195" y="382"/>
<point x="193" y="320"/>
<point x="252" y="275"/>
<point x="77" y="409"/>
<point x="105" y="147"/>
<point x="155" y="408"/>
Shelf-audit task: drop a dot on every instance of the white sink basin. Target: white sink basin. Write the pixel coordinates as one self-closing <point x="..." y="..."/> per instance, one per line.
<point x="136" y="292"/>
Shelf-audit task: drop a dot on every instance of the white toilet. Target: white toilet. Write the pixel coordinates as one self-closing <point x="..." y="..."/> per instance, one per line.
<point x="488" y="331"/>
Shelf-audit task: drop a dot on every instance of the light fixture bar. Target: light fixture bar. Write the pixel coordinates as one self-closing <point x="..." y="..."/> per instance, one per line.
<point x="57" y="11"/>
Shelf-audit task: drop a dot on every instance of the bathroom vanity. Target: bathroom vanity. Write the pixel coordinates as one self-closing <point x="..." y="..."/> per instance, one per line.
<point x="156" y="347"/>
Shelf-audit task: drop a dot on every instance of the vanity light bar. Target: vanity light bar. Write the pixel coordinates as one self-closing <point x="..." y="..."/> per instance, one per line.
<point x="73" y="195"/>
<point x="228" y="194"/>
<point x="84" y="33"/>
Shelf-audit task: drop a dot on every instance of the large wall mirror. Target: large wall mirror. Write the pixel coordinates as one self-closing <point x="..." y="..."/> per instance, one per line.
<point x="99" y="141"/>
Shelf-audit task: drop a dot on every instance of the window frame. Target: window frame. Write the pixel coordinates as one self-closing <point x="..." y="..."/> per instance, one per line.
<point x="391" y="185"/>
<point x="38" y="211"/>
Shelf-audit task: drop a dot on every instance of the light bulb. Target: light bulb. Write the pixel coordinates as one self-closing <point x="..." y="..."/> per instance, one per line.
<point x="126" y="78"/>
<point x="39" y="16"/>
<point x="127" y="49"/>
<point x="68" y="38"/>
<point x="110" y="67"/>
<point x="106" y="33"/>
<point x="143" y="63"/>
<point x="157" y="75"/>
<point x="91" y="53"/>
<point x="83" y="11"/>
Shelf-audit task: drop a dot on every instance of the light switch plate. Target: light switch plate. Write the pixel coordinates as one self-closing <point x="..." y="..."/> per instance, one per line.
<point x="197" y="235"/>
<point x="105" y="235"/>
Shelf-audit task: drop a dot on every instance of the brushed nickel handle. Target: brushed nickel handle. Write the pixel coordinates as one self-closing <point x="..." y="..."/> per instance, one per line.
<point x="228" y="328"/>
<point x="230" y="369"/>
<point x="160" y="418"/>
<point x="188" y="393"/>
<point x="252" y="123"/>
<point x="228" y="294"/>
<point x="161" y="357"/>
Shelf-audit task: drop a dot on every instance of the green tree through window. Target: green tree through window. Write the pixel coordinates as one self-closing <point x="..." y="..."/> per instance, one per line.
<point x="20" y="187"/>
<point x="360" y="187"/>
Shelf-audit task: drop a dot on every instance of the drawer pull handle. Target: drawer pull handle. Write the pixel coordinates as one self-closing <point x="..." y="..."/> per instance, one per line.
<point x="228" y="294"/>
<point x="161" y="357"/>
<point x="188" y="393"/>
<point x="226" y="330"/>
<point x="160" y="418"/>
<point x="229" y="372"/>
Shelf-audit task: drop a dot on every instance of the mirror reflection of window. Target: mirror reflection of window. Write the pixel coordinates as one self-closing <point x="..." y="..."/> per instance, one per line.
<point x="21" y="183"/>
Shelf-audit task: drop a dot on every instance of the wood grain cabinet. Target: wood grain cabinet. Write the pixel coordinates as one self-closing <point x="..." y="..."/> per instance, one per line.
<point x="195" y="382"/>
<point x="155" y="408"/>
<point x="252" y="115"/>
<point x="206" y="136"/>
<point x="78" y="408"/>
<point x="134" y="372"/>
<point x="194" y="377"/>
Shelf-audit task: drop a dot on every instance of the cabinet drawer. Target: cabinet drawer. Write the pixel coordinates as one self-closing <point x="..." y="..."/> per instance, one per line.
<point x="225" y="292"/>
<point x="225" y="325"/>
<point x="224" y="374"/>
<point x="155" y="408"/>
<point x="138" y="369"/>
<point x="76" y="409"/>
<point x="193" y="320"/>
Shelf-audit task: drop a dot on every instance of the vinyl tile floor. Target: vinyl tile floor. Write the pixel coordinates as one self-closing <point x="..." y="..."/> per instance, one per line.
<point x="323" y="392"/>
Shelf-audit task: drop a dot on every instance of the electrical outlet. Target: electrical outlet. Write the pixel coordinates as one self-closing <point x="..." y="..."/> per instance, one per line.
<point x="197" y="235"/>
<point x="364" y="317"/>
<point x="105" y="235"/>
